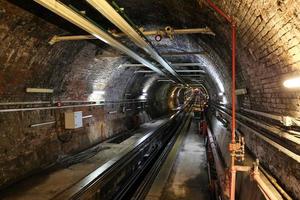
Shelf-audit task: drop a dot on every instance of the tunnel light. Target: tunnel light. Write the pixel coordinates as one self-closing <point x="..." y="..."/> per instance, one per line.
<point x="221" y="93"/>
<point x="143" y="96"/>
<point x="96" y="95"/>
<point x="99" y="92"/>
<point x="224" y="101"/>
<point x="39" y="90"/>
<point x="292" y="83"/>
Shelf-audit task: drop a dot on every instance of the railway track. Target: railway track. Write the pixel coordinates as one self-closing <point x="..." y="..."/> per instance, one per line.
<point x="128" y="175"/>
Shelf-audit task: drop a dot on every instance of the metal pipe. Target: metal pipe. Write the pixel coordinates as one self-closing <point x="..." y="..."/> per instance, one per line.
<point x="206" y="30"/>
<point x="112" y="15"/>
<point x="173" y="64"/>
<point x="264" y="187"/>
<point x="193" y="75"/>
<point x="218" y="163"/>
<point x="68" y="106"/>
<point x="233" y="125"/>
<point x="276" y="185"/>
<point x="80" y="21"/>
<point x="178" y="71"/>
<point x="161" y="80"/>
<point x="233" y="95"/>
<point x="47" y="108"/>
<point x="53" y="122"/>
<point x="42" y="124"/>
<point x="263" y="114"/>
<point x="165" y="54"/>
<point x="218" y="10"/>
<point x="87" y="116"/>
<point x="182" y="53"/>
<point x="43" y="102"/>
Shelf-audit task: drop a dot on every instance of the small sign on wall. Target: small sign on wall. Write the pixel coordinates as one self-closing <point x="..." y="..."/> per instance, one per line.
<point x="73" y="120"/>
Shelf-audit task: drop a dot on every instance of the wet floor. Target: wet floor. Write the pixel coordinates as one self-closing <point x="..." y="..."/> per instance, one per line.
<point x="188" y="179"/>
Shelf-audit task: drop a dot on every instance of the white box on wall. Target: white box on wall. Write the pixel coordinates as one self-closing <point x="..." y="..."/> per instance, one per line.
<point x="73" y="120"/>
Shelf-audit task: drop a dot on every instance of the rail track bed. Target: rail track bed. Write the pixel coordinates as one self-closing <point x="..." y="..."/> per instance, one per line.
<point x="111" y="173"/>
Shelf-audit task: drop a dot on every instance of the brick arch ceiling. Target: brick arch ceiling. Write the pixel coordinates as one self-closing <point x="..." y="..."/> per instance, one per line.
<point x="268" y="49"/>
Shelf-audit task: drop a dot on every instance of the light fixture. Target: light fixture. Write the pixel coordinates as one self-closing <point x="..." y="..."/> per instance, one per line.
<point x="99" y="92"/>
<point x="292" y="83"/>
<point x="143" y="96"/>
<point x="97" y="95"/>
<point x="39" y="90"/>
<point x="221" y="93"/>
<point x="224" y="101"/>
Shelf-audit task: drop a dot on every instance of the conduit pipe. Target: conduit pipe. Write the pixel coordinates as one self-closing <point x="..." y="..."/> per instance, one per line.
<point x="206" y="30"/>
<point x="80" y="21"/>
<point x="232" y="146"/>
<point x="173" y="64"/>
<point x="112" y="15"/>
<point x="178" y="71"/>
<point x="218" y="164"/>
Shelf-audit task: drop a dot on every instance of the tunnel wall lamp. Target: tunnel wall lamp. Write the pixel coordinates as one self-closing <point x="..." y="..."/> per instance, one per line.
<point x="39" y="90"/>
<point x="242" y="91"/>
<point x="292" y="83"/>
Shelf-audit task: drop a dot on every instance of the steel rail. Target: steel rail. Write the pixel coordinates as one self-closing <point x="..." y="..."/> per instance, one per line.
<point x="91" y="184"/>
<point x="113" y="16"/>
<point x="85" y="24"/>
<point x="173" y="145"/>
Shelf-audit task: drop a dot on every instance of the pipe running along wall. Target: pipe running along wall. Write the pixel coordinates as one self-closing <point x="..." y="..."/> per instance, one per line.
<point x="112" y="15"/>
<point x="231" y="21"/>
<point x="78" y="20"/>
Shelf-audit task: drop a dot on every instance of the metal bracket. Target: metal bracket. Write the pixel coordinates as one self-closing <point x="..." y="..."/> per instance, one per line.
<point x="237" y="149"/>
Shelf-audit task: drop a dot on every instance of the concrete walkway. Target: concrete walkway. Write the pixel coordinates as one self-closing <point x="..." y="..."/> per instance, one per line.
<point x="188" y="178"/>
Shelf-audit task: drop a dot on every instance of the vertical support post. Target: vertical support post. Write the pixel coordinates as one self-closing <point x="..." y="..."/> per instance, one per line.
<point x="233" y="124"/>
<point x="233" y="119"/>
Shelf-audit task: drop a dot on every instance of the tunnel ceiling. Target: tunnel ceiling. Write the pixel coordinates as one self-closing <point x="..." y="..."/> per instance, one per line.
<point x="267" y="53"/>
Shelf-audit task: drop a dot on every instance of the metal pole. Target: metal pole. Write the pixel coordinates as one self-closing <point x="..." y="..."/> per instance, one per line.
<point x="206" y="30"/>
<point x="173" y="64"/>
<point x="178" y="71"/>
<point x="233" y="123"/>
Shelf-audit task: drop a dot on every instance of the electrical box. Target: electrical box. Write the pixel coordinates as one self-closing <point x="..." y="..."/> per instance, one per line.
<point x="73" y="120"/>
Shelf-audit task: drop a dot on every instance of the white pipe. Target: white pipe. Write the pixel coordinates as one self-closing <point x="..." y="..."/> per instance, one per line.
<point x="173" y="64"/>
<point x="112" y="15"/>
<point x="78" y="20"/>
<point x="178" y="71"/>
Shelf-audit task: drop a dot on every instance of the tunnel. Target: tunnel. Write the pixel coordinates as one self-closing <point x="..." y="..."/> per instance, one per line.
<point x="165" y="99"/>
